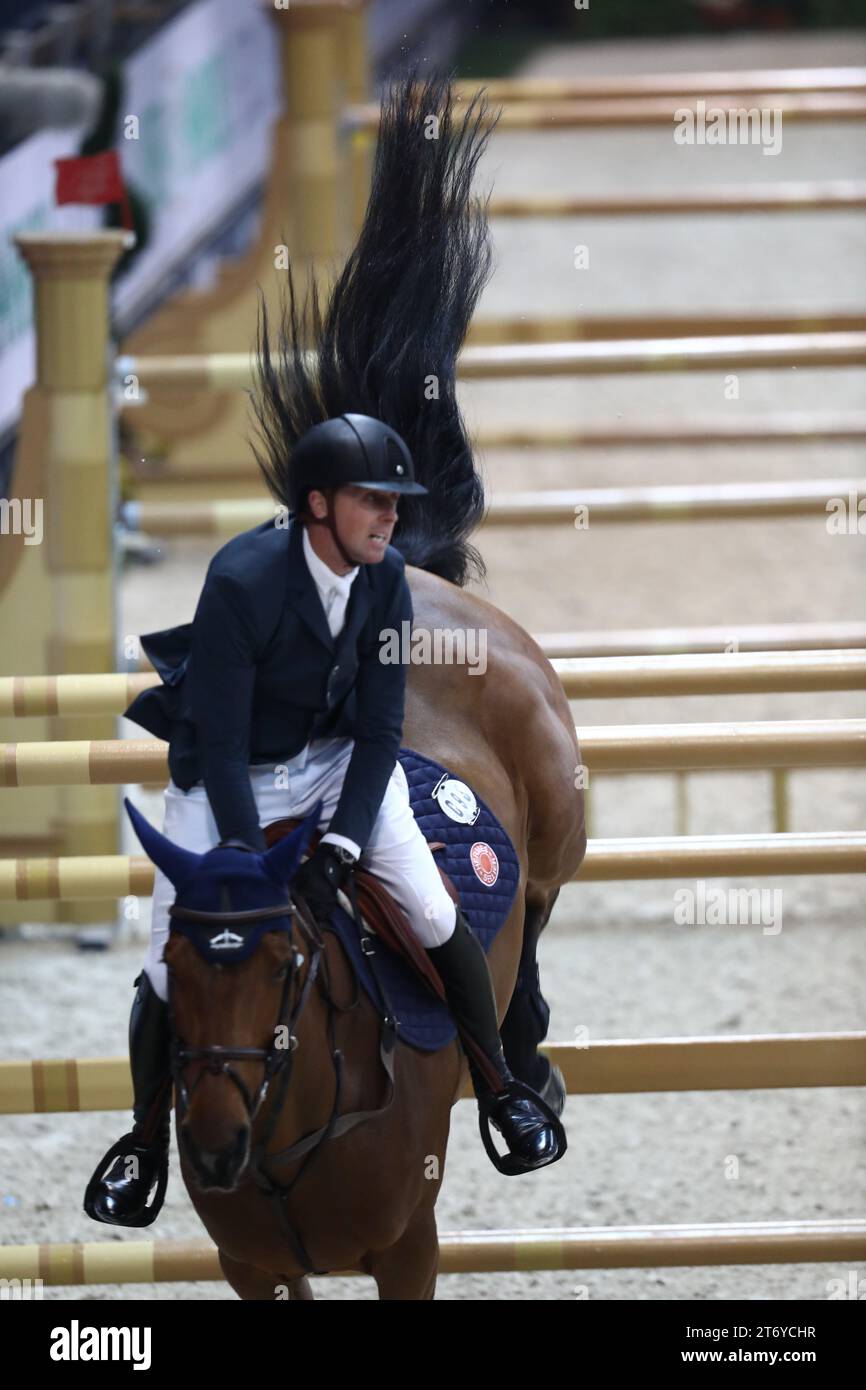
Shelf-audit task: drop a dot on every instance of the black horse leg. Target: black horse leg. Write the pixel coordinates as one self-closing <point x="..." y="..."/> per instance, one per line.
<point x="526" y="1021"/>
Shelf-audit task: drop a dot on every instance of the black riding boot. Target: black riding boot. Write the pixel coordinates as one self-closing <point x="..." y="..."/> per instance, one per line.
<point x="121" y="1184"/>
<point x="527" y="1124"/>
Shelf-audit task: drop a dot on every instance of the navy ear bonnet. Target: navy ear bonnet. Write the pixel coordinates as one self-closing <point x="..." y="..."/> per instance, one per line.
<point x="227" y="880"/>
<point x="230" y="880"/>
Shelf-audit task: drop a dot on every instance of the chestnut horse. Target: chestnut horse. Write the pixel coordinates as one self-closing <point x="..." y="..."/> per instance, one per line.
<point x="364" y="1197"/>
<point x="365" y="1200"/>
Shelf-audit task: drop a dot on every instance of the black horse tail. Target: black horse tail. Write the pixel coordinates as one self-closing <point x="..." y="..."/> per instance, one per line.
<point x="397" y="316"/>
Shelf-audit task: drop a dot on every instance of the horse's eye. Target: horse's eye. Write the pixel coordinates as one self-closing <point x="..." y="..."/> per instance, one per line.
<point x="282" y="972"/>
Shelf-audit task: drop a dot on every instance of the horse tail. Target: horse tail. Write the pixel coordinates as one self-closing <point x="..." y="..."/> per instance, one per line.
<point x="396" y="318"/>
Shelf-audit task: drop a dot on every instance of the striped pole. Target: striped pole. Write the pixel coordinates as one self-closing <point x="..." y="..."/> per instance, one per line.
<point x="515" y="329"/>
<point x="647" y="112"/>
<point x="480" y="1252"/>
<point x="583" y="678"/>
<point x="616" y="1067"/>
<point x="764" y="352"/>
<point x="746" y="637"/>
<point x="792" y="428"/>
<point x="654" y="857"/>
<point x="579" y="509"/>
<point x="842" y="195"/>
<point x="838" y="79"/>
<point x="604" y="747"/>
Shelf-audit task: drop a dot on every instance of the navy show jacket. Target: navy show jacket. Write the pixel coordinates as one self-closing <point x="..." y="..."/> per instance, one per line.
<point x="256" y="675"/>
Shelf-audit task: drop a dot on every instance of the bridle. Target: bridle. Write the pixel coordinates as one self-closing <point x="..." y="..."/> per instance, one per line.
<point x="275" y="1058"/>
<point x="278" y="1061"/>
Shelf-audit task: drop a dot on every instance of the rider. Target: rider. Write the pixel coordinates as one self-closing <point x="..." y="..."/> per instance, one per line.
<point x="252" y="685"/>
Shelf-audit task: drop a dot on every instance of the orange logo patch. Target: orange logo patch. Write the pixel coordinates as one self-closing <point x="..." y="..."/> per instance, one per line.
<point x="485" y="863"/>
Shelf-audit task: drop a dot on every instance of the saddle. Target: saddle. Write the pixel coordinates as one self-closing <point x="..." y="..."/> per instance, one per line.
<point x="383" y="918"/>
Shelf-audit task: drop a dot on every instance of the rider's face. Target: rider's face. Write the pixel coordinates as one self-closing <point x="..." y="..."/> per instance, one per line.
<point x="365" y="520"/>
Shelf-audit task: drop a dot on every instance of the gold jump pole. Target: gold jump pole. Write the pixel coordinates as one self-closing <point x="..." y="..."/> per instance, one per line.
<point x="708" y="856"/>
<point x="728" y="673"/>
<point x="607" y="1067"/>
<point x="648" y="112"/>
<point x="841" y="79"/>
<point x="848" y="194"/>
<point x="672" y="640"/>
<point x="70" y="696"/>
<point x="583" y="678"/>
<point x="513" y="330"/>
<point x="797" y="427"/>
<point x="747" y="352"/>
<point x="689" y="502"/>
<point x="604" y="747"/>
<point x="578" y="509"/>
<point x="654" y="857"/>
<point x="464" y="1252"/>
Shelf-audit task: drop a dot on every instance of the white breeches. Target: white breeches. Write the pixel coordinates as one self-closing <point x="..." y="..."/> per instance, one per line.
<point x="396" y="853"/>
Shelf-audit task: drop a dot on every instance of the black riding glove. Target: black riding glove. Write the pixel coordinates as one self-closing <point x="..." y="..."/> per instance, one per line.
<point x="320" y="878"/>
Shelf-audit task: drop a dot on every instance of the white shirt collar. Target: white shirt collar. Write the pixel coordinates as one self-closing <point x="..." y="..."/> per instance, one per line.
<point x="326" y="578"/>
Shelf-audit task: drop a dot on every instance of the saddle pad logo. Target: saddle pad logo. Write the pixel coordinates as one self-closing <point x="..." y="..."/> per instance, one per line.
<point x="484" y="862"/>
<point x="457" y="800"/>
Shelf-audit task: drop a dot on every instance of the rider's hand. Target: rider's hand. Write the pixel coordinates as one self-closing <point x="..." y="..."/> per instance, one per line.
<point x="320" y="878"/>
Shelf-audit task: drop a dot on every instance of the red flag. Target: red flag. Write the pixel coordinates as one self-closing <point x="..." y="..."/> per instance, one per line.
<point x="94" y="178"/>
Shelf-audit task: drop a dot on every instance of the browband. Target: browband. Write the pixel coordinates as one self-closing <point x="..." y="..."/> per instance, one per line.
<point x="215" y="919"/>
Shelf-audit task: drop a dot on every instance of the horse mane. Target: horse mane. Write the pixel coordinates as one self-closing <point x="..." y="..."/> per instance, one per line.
<point x="396" y="318"/>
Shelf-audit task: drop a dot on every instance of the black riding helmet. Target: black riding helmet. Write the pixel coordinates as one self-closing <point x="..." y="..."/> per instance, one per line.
<point x="351" y="450"/>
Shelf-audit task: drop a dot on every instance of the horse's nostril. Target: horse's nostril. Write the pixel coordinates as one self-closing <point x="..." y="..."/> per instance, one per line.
<point x="218" y="1166"/>
<point x="240" y="1144"/>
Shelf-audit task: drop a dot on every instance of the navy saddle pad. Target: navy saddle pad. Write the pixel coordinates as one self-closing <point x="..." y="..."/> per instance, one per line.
<point x="480" y="860"/>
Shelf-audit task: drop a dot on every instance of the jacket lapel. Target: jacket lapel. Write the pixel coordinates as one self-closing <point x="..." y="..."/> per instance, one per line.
<point x="308" y="605"/>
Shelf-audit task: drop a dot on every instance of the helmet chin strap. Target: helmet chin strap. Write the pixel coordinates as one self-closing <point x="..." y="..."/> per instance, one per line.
<point x="330" y="522"/>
